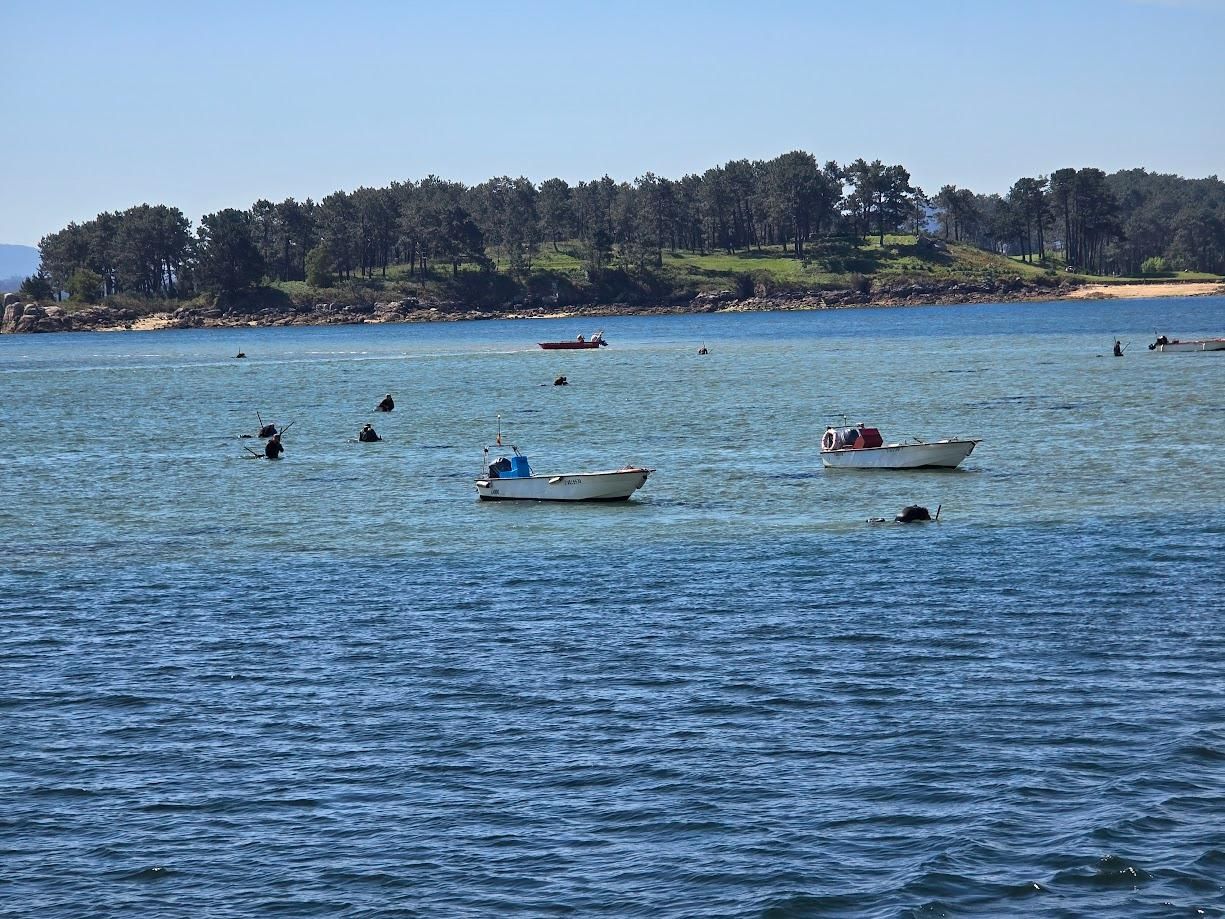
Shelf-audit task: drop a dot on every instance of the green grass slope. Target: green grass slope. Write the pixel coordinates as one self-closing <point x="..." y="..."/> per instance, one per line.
<point x="561" y="275"/>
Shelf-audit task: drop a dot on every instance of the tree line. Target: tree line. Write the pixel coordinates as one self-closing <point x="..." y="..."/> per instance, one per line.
<point x="1131" y="222"/>
<point x="1126" y="223"/>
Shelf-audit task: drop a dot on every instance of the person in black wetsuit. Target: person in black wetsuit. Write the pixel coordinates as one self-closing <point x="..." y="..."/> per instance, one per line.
<point x="368" y="435"/>
<point x="387" y="404"/>
<point x="1118" y="348"/>
<point x="273" y="449"/>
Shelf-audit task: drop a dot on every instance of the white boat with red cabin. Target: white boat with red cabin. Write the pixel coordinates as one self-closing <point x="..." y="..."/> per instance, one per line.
<point x="580" y="343"/>
<point x="510" y="478"/>
<point x="1164" y="344"/>
<point x="861" y="447"/>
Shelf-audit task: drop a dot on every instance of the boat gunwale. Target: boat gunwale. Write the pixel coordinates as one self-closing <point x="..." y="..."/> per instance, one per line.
<point x="564" y="475"/>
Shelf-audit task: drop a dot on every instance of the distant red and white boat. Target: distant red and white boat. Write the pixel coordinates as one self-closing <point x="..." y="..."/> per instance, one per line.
<point x="595" y="341"/>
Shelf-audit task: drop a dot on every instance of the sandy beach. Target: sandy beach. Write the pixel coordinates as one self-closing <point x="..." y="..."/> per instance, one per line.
<point x="1144" y="291"/>
<point x="143" y="324"/>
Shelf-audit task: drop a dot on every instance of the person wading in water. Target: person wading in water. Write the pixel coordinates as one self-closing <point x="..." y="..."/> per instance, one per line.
<point x="273" y="448"/>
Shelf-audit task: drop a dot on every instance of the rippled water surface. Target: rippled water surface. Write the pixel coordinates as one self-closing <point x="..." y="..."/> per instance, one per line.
<point x="339" y="685"/>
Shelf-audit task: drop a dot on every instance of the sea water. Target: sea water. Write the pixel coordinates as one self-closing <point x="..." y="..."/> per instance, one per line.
<point x="340" y="685"/>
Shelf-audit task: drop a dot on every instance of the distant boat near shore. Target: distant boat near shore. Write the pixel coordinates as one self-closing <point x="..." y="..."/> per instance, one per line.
<point x="1164" y="344"/>
<point x="595" y="341"/>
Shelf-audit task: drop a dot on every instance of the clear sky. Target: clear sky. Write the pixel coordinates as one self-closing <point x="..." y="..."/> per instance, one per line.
<point x="215" y="104"/>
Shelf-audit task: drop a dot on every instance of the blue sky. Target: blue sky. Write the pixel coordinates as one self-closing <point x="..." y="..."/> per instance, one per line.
<point x="213" y="105"/>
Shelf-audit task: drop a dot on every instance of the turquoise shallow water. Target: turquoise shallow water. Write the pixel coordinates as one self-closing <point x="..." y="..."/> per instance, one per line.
<point x="340" y="685"/>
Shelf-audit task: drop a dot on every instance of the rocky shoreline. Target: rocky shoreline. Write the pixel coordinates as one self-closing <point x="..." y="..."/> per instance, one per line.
<point x="22" y="318"/>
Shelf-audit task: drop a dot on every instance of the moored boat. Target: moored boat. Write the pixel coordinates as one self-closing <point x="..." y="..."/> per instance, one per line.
<point x="512" y="479"/>
<point x="595" y="341"/>
<point x="1192" y="344"/>
<point x="862" y="447"/>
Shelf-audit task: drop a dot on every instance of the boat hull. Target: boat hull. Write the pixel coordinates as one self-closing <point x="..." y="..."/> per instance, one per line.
<point x="940" y="454"/>
<point x="615" y="485"/>
<point x="569" y="345"/>
<point x="1203" y="344"/>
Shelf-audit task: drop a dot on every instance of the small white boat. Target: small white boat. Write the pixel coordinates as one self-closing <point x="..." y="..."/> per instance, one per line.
<point x="862" y="447"/>
<point x="1194" y="344"/>
<point x="511" y="479"/>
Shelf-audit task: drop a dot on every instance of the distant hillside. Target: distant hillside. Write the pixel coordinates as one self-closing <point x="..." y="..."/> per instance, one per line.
<point x="16" y="264"/>
<point x="22" y="260"/>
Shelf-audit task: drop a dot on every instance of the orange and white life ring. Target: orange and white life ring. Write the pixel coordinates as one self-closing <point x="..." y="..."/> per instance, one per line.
<point x="827" y="441"/>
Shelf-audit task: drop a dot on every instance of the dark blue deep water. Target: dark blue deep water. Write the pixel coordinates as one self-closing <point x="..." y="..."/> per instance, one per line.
<point x="339" y="685"/>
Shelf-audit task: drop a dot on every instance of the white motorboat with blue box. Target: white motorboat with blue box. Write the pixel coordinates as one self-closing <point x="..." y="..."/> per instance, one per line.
<point x="510" y="478"/>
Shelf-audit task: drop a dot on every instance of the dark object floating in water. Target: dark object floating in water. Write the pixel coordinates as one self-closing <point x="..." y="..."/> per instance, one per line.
<point x="561" y="381"/>
<point x="241" y="354"/>
<point x="269" y="429"/>
<point x="915" y="513"/>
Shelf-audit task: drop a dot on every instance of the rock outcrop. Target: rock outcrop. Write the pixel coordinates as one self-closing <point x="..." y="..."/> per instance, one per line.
<point x="32" y="317"/>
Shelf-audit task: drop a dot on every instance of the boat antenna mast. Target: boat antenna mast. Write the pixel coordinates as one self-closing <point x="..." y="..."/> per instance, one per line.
<point x="485" y="449"/>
